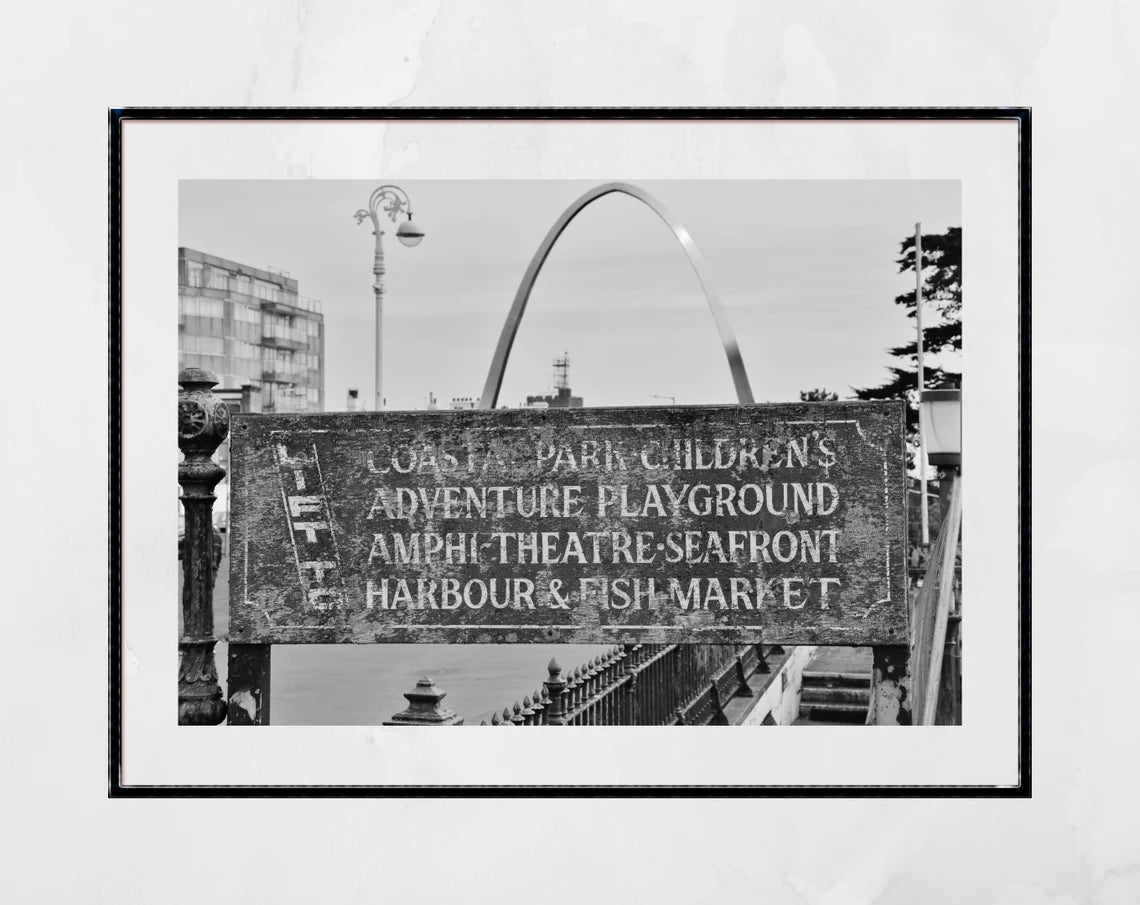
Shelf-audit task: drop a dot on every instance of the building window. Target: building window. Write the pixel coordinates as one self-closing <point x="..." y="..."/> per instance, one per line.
<point x="245" y="350"/>
<point x="281" y="326"/>
<point x="217" y="278"/>
<point x="202" y="345"/>
<point x="197" y="307"/>
<point x="194" y="274"/>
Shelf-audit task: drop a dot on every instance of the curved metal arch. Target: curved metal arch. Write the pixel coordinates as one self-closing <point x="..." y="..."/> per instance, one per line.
<point x="514" y="317"/>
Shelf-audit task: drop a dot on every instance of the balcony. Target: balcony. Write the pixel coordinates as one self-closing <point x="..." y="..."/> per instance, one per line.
<point x="291" y="304"/>
<point x="284" y="342"/>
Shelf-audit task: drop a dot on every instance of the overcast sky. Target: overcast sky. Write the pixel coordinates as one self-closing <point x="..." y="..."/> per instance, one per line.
<point x="805" y="269"/>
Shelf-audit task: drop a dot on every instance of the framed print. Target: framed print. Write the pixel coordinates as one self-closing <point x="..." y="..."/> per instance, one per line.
<point x="617" y="422"/>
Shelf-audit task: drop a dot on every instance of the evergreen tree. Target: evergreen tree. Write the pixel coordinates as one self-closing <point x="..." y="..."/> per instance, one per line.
<point x="941" y="295"/>
<point x="818" y="395"/>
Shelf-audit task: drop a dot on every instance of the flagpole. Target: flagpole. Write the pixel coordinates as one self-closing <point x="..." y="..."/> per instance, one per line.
<point x="921" y="382"/>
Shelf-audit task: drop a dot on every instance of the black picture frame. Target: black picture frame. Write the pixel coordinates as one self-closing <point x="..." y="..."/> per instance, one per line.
<point x="118" y="117"/>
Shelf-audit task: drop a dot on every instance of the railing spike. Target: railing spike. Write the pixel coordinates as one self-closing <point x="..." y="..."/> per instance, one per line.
<point x="537" y="708"/>
<point x="555" y="687"/>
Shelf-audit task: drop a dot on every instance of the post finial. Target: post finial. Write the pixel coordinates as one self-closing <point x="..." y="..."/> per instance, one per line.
<point x="203" y="418"/>
<point x="425" y="707"/>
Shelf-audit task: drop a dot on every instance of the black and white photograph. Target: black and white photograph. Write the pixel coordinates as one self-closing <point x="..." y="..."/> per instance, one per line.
<point x="708" y="479"/>
<point x="736" y="395"/>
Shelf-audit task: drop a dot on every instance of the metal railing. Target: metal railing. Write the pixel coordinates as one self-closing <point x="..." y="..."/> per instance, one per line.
<point x="935" y="606"/>
<point x="642" y="685"/>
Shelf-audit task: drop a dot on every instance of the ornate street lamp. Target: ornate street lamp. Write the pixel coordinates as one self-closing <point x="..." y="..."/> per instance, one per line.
<point x="393" y="201"/>
<point x="942" y="415"/>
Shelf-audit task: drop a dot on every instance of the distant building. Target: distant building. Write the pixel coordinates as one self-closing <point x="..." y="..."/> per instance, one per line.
<point x="352" y="401"/>
<point x="460" y="403"/>
<point x="561" y="398"/>
<point x="251" y="328"/>
<point x="247" y="398"/>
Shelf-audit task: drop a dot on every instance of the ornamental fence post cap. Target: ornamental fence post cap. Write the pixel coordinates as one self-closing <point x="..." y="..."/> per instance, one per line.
<point x="197" y="375"/>
<point x="203" y="423"/>
<point x="425" y="707"/>
<point x="426" y="691"/>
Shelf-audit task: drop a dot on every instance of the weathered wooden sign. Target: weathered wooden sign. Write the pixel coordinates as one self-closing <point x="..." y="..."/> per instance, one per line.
<point x="700" y="525"/>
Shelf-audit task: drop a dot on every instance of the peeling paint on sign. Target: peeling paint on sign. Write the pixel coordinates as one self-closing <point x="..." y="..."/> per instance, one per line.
<point x="695" y="524"/>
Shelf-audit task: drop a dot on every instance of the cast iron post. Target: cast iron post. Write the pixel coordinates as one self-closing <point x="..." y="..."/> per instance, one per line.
<point x="890" y="686"/>
<point x="203" y="422"/>
<point x="425" y="707"/>
<point x="555" y="714"/>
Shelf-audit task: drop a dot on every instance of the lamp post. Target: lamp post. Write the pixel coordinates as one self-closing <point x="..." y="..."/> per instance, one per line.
<point x="942" y="415"/>
<point x="393" y="201"/>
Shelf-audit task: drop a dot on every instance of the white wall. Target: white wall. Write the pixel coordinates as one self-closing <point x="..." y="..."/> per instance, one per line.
<point x="780" y="701"/>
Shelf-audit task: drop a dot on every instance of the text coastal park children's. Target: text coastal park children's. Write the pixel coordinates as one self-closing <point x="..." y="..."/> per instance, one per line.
<point x="468" y="524"/>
